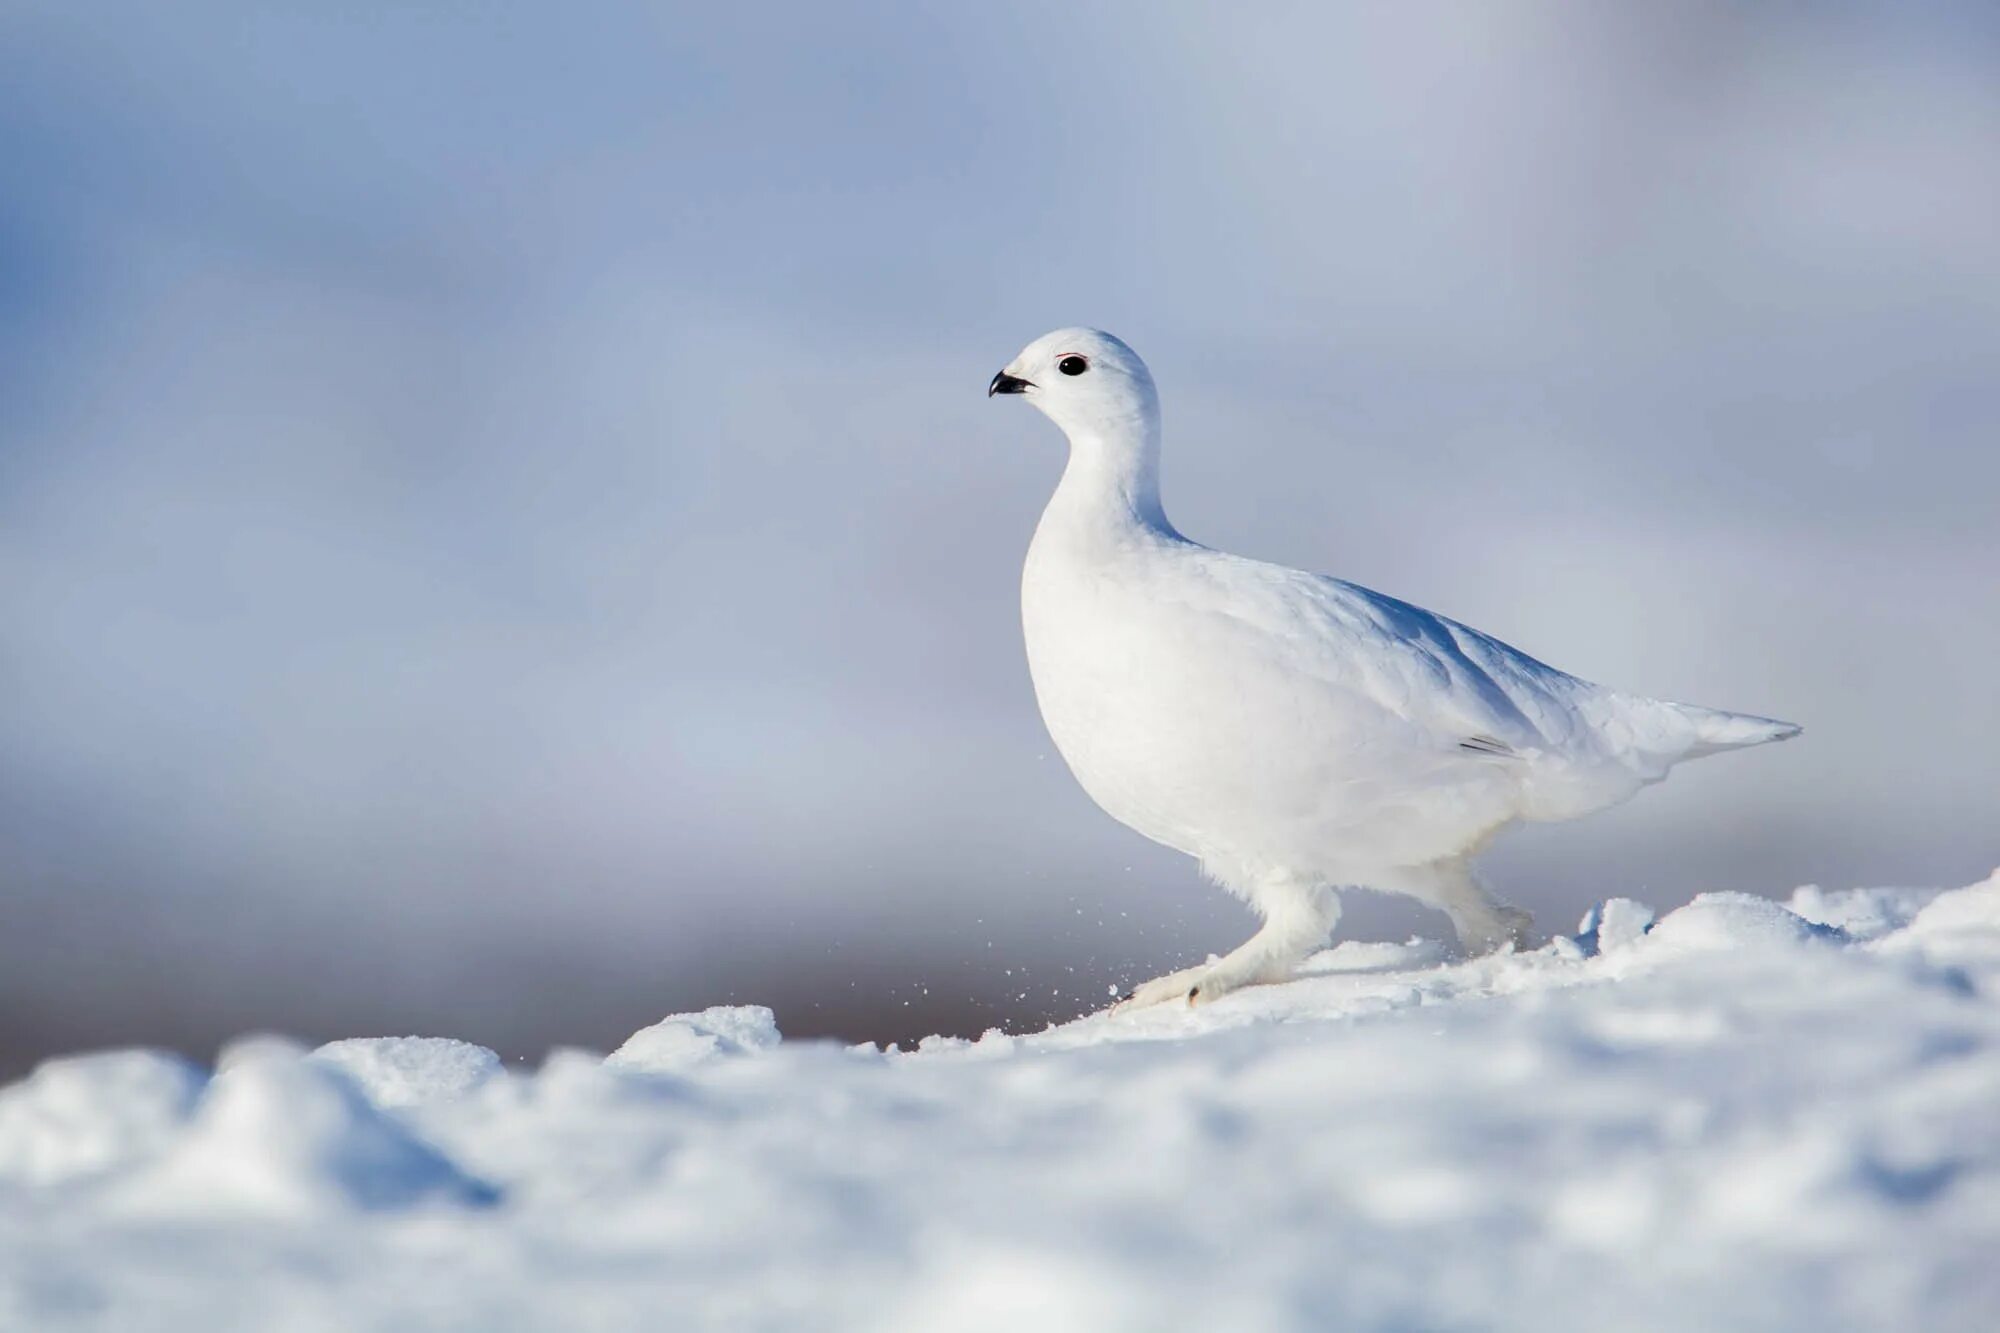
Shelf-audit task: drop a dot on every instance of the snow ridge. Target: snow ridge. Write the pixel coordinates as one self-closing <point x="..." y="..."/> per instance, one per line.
<point x="1744" y="1115"/>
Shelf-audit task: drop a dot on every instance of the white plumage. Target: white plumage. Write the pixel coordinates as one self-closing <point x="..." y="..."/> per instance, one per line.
<point x="1296" y="733"/>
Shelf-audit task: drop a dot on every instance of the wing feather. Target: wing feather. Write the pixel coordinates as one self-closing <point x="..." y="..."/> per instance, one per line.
<point x="1469" y="690"/>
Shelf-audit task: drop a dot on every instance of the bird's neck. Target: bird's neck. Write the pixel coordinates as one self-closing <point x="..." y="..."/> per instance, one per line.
<point x="1112" y="483"/>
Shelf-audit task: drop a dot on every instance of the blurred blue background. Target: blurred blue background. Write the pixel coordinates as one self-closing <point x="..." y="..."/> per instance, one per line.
<point x="501" y="533"/>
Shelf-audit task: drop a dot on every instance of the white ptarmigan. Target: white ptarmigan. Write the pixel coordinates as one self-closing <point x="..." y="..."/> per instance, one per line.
<point x="1295" y="733"/>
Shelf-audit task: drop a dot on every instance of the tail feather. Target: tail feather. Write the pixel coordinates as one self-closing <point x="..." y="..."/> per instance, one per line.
<point x="1656" y="734"/>
<point x="1714" y="731"/>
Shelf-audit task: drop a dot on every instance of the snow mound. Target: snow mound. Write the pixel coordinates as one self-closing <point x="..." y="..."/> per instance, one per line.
<point x="1728" y="921"/>
<point x="680" y="1042"/>
<point x="410" y="1071"/>
<point x="1614" y="924"/>
<point x="92" y="1114"/>
<point x="1969" y="911"/>
<point x="279" y="1133"/>
<point x="1860" y="914"/>
<point x="1745" y="1117"/>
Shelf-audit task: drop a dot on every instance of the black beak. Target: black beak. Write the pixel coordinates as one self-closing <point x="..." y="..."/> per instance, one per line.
<point x="1005" y="383"/>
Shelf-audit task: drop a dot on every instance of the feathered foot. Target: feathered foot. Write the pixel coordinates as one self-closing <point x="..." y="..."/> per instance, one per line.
<point x="1298" y="916"/>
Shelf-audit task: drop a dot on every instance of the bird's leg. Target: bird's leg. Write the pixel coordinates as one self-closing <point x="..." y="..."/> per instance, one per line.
<point x="1481" y="921"/>
<point x="1297" y="919"/>
<point x="1161" y="990"/>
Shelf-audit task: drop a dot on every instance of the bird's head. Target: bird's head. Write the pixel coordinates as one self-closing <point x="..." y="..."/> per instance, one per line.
<point x="1084" y="380"/>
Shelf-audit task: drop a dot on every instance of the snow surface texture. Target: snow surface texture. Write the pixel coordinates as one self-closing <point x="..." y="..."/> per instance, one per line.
<point x="1739" y="1117"/>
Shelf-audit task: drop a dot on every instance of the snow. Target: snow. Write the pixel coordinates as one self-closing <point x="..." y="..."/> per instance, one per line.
<point x="407" y="1071"/>
<point x="1746" y="1115"/>
<point x="677" y="1044"/>
<point x="90" y="1115"/>
<point x="1613" y="924"/>
<point x="1731" y="921"/>
<point x="278" y="1134"/>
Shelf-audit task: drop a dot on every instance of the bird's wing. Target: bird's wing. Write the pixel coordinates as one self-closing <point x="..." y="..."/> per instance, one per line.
<point x="1464" y="688"/>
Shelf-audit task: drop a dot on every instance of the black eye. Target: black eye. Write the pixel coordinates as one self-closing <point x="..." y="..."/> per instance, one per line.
<point x="1072" y="365"/>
